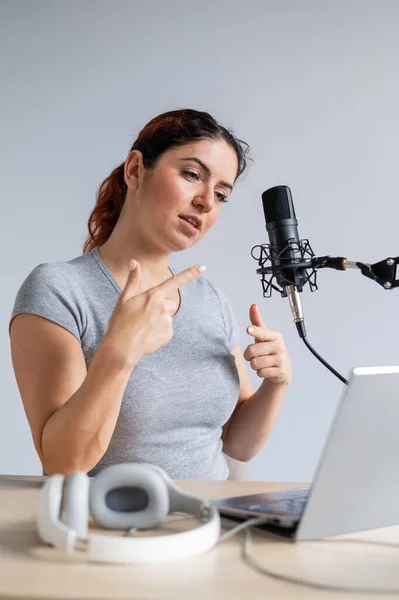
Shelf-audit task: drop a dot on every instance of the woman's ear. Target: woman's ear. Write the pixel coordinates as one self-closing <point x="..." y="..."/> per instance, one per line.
<point x="134" y="169"/>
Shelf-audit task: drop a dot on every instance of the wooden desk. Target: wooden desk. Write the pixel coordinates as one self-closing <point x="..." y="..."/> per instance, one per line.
<point x="30" y="569"/>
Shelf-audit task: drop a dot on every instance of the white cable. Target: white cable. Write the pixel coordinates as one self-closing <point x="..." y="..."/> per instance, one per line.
<point x="249" y="559"/>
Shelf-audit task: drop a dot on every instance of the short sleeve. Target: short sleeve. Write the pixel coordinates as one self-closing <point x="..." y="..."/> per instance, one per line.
<point x="47" y="292"/>
<point x="231" y="324"/>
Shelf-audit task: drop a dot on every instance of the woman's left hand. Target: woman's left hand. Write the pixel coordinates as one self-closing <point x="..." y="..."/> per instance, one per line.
<point x="268" y="356"/>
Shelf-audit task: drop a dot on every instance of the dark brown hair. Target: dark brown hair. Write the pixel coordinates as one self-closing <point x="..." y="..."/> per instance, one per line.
<point x="165" y="131"/>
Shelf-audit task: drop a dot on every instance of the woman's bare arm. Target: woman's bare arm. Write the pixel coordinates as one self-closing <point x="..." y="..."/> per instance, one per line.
<point x="72" y="411"/>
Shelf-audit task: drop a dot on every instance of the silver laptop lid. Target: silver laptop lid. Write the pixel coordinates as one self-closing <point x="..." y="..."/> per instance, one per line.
<point x="356" y="486"/>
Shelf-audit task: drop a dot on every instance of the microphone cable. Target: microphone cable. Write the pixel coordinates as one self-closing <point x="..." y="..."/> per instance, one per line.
<point x="299" y="320"/>
<point x="324" y="362"/>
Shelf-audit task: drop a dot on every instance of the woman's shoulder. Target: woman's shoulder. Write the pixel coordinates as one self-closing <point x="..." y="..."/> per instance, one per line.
<point x="61" y="282"/>
<point x="60" y="274"/>
<point x="54" y="290"/>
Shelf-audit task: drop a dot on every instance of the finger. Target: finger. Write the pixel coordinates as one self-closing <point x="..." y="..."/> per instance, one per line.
<point x="263" y="334"/>
<point x="177" y="281"/>
<point x="255" y="316"/>
<point x="133" y="280"/>
<point x="260" y="349"/>
<point x="269" y="373"/>
<point x="264" y="362"/>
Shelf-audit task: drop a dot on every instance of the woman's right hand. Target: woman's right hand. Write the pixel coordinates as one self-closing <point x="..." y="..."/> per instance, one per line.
<point x="142" y="322"/>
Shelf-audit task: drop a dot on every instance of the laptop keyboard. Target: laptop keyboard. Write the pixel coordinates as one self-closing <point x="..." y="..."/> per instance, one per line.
<point x="294" y="506"/>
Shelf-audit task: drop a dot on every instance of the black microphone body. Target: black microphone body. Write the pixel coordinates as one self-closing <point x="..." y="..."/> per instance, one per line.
<point x="285" y="247"/>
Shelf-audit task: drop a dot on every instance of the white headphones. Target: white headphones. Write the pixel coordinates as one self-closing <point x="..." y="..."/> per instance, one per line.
<point x="125" y="496"/>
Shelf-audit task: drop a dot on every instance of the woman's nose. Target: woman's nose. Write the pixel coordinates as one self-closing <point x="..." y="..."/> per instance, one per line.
<point x="206" y="200"/>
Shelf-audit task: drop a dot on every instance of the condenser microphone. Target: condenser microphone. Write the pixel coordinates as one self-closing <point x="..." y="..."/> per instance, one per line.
<point x="293" y="263"/>
<point x="286" y="250"/>
<point x="292" y="259"/>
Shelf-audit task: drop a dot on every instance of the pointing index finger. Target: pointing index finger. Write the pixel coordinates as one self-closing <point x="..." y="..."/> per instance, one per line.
<point x="177" y="281"/>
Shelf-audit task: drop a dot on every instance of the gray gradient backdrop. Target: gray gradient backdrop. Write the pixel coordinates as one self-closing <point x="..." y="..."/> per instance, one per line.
<point x="312" y="86"/>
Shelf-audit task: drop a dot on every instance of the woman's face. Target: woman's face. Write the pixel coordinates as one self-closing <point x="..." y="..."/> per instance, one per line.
<point x="188" y="182"/>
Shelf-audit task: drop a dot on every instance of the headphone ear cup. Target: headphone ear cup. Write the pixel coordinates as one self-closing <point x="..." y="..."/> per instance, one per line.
<point x="76" y="503"/>
<point x="128" y="495"/>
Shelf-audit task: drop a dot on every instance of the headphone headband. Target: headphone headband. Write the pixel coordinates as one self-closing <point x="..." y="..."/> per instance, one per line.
<point x="121" y="497"/>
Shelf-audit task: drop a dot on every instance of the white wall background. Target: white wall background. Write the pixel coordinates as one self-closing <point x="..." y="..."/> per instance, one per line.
<point x="311" y="85"/>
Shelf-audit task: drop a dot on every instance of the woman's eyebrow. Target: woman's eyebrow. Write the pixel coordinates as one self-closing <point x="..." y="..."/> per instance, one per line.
<point x="206" y="169"/>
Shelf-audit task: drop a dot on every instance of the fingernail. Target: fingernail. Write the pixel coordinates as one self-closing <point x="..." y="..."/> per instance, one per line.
<point x="202" y="269"/>
<point x="251" y="329"/>
<point x="132" y="264"/>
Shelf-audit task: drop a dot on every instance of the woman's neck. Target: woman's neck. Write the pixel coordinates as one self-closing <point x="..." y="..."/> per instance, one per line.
<point x="116" y="257"/>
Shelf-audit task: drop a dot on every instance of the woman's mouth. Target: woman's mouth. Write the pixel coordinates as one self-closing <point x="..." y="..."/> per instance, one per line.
<point x="189" y="227"/>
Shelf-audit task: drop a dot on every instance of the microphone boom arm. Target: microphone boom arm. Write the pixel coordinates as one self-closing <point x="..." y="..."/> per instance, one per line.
<point x="383" y="272"/>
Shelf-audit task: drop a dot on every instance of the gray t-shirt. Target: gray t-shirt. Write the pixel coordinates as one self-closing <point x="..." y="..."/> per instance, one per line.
<point x="177" y="398"/>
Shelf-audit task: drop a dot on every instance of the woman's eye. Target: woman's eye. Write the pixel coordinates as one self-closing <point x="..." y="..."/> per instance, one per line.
<point x="192" y="174"/>
<point x="221" y="197"/>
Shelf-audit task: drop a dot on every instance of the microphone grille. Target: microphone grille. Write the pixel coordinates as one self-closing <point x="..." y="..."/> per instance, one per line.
<point x="278" y="204"/>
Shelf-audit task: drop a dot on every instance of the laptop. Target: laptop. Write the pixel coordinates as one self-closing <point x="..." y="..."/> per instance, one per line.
<point x="356" y="484"/>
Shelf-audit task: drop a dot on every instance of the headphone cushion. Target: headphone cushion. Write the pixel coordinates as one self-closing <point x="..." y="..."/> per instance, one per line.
<point x="76" y="502"/>
<point x="128" y="495"/>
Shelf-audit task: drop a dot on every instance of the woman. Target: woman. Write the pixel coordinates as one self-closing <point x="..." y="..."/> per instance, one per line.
<point x="117" y="358"/>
